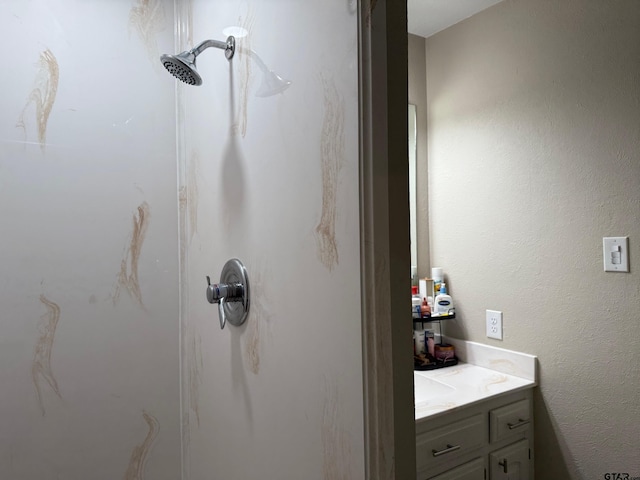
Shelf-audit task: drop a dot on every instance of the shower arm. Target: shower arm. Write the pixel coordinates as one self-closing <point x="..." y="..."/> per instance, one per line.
<point x="229" y="47"/>
<point x="229" y="44"/>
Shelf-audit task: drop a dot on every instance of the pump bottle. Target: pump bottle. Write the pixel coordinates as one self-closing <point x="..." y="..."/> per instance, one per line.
<point x="444" y="303"/>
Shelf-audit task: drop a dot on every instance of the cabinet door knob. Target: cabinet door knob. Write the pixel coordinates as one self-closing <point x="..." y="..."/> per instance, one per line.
<point x="503" y="464"/>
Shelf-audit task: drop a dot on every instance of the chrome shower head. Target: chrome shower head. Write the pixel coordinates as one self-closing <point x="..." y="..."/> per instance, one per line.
<point x="183" y="65"/>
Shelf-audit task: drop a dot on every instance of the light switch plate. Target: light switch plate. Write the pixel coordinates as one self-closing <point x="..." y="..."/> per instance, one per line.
<point x="615" y="252"/>
<point x="494" y="324"/>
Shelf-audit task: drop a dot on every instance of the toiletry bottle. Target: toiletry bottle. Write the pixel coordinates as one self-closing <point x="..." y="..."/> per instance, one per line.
<point x="444" y="303"/>
<point x="429" y="341"/>
<point x="437" y="274"/>
<point x="419" y="345"/>
<point x="415" y="302"/>
<point x="425" y="308"/>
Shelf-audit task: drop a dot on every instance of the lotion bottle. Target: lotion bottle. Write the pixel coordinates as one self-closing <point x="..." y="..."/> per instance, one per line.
<point x="444" y="303"/>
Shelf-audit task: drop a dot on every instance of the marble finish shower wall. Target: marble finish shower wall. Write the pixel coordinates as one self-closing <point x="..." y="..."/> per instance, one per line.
<point x="273" y="181"/>
<point x="89" y="361"/>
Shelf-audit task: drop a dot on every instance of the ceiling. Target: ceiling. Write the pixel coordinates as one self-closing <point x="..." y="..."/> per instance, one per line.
<point x="426" y="17"/>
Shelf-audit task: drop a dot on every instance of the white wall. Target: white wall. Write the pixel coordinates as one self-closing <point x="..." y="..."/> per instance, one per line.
<point x="534" y="134"/>
<point x="281" y="396"/>
<point x="106" y="364"/>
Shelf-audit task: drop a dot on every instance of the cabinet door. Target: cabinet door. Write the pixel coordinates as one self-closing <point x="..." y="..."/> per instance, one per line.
<point x="473" y="470"/>
<point x="509" y="421"/>
<point x="510" y="462"/>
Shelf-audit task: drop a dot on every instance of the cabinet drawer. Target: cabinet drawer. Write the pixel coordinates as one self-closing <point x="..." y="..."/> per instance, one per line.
<point x="473" y="470"/>
<point x="508" y="421"/>
<point x="451" y="441"/>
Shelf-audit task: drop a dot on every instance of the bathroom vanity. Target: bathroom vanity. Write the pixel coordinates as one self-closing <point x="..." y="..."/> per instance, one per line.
<point x="474" y="421"/>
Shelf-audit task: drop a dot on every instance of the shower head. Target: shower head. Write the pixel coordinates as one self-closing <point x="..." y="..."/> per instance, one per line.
<point x="183" y="65"/>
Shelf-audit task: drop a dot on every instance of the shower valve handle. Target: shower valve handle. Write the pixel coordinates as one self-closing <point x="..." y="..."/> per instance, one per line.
<point x="221" y="293"/>
<point x="218" y="292"/>
<point x="231" y="294"/>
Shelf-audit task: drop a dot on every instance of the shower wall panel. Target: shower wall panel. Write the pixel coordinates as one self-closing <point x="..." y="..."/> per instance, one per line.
<point x="89" y="327"/>
<point x="272" y="181"/>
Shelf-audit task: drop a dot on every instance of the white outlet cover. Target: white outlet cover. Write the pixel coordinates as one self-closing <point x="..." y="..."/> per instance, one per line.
<point x="494" y="324"/>
<point x="615" y="253"/>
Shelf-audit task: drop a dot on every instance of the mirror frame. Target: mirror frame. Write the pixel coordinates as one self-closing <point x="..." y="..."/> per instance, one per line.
<point x="413" y="220"/>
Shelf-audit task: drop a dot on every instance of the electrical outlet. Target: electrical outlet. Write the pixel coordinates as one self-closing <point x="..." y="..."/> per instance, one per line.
<point x="494" y="324"/>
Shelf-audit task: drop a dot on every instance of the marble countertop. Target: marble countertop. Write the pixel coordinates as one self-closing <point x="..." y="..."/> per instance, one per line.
<point x="468" y="384"/>
<point x="490" y="372"/>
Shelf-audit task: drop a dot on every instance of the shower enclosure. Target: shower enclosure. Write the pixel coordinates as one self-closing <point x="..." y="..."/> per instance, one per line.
<point x="113" y="362"/>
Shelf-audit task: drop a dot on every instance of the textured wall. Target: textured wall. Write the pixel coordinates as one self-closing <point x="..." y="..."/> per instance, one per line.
<point x="281" y="396"/>
<point x="534" y="134"/>
<point x="89" y="324"/>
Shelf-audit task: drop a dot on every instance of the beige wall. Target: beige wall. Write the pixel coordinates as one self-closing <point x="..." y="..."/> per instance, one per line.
<point x="534" y="144"/>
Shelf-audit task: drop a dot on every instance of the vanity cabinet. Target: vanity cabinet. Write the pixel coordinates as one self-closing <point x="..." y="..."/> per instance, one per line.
<point x="489" y="440"/>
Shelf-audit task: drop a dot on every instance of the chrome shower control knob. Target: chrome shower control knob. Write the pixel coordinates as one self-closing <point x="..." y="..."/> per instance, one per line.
<point x="231" y="294"/>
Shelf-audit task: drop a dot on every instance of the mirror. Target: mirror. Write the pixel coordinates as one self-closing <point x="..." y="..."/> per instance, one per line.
<point x="412" y="192"/>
